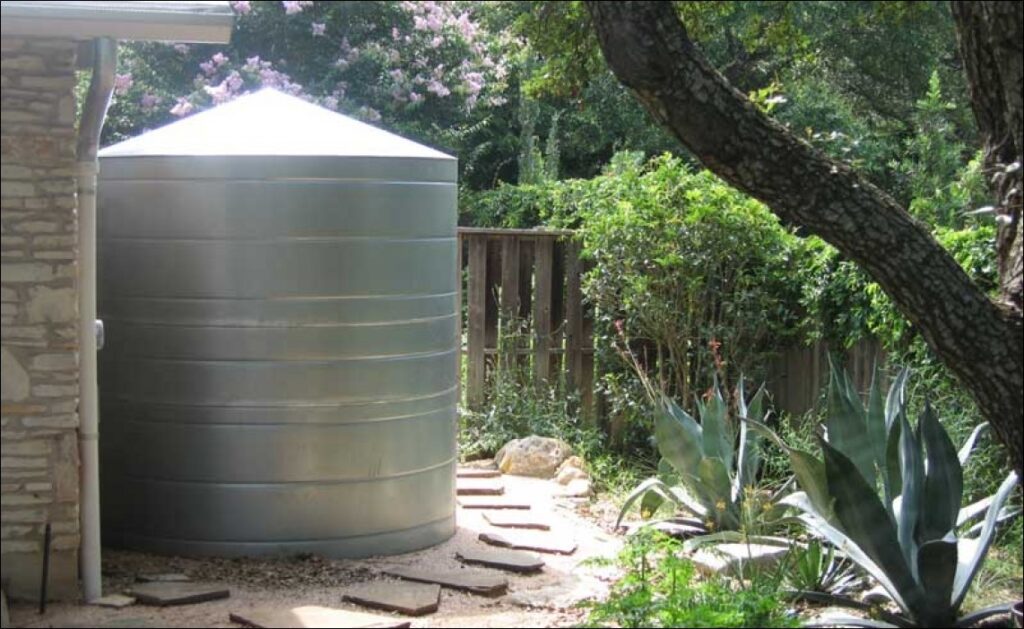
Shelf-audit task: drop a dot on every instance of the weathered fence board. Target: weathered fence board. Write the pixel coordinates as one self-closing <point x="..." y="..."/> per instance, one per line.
<point x="476" y="313"/>
<point x="525" y="309"/>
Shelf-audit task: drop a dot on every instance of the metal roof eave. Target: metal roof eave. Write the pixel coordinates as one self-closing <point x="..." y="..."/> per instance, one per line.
<point x="187" y="22"/>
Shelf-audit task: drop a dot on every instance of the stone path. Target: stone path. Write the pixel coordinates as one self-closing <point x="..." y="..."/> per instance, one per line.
<point x="177" y="593"/>
<point x="313" y="617"/>
<point x="510" y="560"/>
<point x="411" y="599"/>
<point x="308" y="591"/>
<point x="516" y="520"/>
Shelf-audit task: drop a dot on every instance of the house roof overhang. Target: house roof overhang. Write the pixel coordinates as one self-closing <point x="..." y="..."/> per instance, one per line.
<point x="187" y="22"/>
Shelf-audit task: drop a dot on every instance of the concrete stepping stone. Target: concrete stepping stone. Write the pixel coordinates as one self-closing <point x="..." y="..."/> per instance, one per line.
<point x="172" y="593"/>
<point x="511" y="560"/>
<point x="116" y="601"/>
<point x="313" y="617"/>
<point x="475" y="472"/>
<point x="478" y="487"/>
<point x="411" y="599"/>
<point x="513" y="520"/>
<point x="168" y="577"/>
<point x="473" y="581"/>
<point x="520" y="540"/>
<point x="491" y="503"/>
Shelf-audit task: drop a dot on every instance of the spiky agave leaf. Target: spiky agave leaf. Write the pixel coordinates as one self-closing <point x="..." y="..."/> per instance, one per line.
<point x="971" y="551"/>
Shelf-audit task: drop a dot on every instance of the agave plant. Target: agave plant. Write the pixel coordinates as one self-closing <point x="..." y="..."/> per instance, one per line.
<point x="702" y="472"/>
<point x="888" y="496"/>
<point x="818" y="567"/>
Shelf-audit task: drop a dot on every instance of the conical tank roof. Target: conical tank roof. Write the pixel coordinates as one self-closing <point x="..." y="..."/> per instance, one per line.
<point x="270" y="123"/>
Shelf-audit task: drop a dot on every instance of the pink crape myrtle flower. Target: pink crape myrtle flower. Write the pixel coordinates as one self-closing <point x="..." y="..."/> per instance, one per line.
<point x="318" y="29"/>
<point x="123" y="83"/>
<point x="242" y="7"/>
<point x="182" y="108"/>
<point x="292" y="7"/>
<point x="148" y="101"/>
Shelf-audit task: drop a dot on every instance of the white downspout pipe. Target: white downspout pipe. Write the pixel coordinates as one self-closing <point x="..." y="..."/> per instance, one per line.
<point x="94" y="112"/>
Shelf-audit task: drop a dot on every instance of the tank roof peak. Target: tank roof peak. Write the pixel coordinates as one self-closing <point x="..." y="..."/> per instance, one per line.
<point x="270" y="123"/>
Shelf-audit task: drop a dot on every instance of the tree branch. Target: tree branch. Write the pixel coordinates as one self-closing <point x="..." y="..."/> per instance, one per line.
<point x="648" y="49"/>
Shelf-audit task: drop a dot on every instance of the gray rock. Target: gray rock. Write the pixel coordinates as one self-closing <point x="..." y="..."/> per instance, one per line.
<point x="411" y="599"/>
<point x="578" y="488"/>
<point x="512" y="560"/>
<point x="733" y="558"/>
<point x="312" y="617"/>
<point x="479" y="582"/>
<point x="116" y="601"/>
<point x="567" y="474"/>
<point x="876" y="596"/>
<point x="532" y="456"/>
<point x="14" y="386"/>
<point x="172" y="593"/>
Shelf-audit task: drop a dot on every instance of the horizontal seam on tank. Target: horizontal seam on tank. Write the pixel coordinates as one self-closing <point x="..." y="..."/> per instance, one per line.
<point x="306" y="180"/>
<point x="123" y="531"/>
<point x="313" y="239"/>
<point x="332" y="481"/>
<point x="395" y="296"/>
<point x="415" y="398"/>
<point x="274" y="361"/>
<point x="162" y="324"/>
<point x="336" y="424"/>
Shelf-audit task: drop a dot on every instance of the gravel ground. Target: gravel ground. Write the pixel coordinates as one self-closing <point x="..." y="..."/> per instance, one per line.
<point x="548" y="599"/>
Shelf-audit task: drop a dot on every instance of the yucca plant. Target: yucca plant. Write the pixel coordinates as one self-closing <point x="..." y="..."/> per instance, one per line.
<point x="702" y="472"/>
<point x="888" y="496"/>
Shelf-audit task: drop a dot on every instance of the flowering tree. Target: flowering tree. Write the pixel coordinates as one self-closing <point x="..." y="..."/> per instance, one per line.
<point x="427" y="69"/>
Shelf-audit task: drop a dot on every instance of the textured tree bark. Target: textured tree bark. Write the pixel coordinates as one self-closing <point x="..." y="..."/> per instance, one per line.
<point x="980" y="340"/>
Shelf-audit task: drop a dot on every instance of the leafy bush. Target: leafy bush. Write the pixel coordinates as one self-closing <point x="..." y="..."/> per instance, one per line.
<point x="660" y="589"/>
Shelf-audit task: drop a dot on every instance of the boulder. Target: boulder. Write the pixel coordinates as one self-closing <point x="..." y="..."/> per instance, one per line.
<point x="579" y="488"/>
<point x="532" y="456"/>
<point x="573" y="461"/>
<point x="568" y="474"/>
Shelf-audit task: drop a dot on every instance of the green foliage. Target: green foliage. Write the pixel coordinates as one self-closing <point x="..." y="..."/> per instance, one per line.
<point x="819" y="567"/>
<point x="517" y="409"/>
<point x="699" y="275"/>
<point x="702" y="472"/>
<point x="941" y="189"/>
<point x="661" y="589"/>
<point x="888" y="494"/>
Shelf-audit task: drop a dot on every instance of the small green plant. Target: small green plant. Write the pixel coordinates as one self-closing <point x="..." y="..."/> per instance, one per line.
<point x="819" y="567"/>
<point x="888" y="495"/>
<point x="661" y="589"/>
<point x="701" y="471"/>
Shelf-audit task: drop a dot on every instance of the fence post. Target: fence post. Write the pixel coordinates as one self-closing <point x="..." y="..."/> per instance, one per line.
<point x="477" y="307"/>
<point x="509" y="320"/>
<point x="543" y="253"/>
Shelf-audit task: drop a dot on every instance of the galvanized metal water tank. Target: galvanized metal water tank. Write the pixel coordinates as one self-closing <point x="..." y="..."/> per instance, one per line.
<point x="277" y="283"/>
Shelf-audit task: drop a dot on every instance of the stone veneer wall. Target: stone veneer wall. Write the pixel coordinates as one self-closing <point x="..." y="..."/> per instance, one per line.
<point x="39" y="320"/>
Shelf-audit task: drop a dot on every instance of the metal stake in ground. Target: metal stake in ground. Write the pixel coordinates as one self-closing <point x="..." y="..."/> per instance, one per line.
<point x="47" y="533"/>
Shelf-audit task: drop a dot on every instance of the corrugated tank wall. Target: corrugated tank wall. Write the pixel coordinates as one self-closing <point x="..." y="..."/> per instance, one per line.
<point x="279" y="372"/>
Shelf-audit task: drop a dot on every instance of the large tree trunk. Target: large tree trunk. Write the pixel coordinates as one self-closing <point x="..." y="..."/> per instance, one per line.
<point x="981" y="341"/>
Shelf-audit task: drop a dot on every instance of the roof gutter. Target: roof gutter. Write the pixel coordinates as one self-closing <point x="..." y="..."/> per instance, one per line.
<point x="94" y="113"/>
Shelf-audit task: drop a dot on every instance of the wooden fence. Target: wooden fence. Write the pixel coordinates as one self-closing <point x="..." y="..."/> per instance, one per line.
<point x="524" y="310"/>
<point x="798" y="376"/>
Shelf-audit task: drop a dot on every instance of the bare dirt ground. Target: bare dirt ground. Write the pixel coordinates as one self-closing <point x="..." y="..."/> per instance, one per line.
<point x="548" y="599"/>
